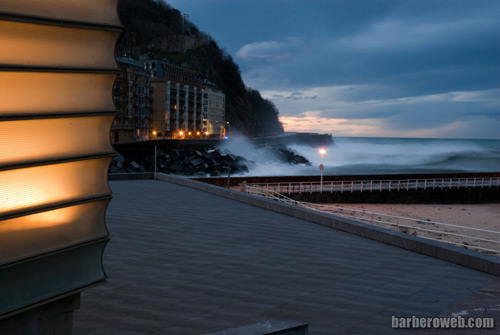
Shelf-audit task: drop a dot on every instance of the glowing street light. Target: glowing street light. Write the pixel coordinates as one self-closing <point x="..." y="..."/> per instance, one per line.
<point x="322" y="152"/>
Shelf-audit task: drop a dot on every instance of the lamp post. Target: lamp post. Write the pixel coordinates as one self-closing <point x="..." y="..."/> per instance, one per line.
<point x="322" y="152"/>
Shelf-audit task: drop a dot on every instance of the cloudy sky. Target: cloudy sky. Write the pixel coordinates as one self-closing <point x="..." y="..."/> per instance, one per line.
<point x="391" y="68"/>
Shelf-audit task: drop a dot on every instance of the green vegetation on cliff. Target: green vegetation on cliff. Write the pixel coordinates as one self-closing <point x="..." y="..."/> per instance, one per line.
<point x="153" y="27"/>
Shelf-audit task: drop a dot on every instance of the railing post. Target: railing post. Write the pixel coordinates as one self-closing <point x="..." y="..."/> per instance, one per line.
<point x="408" y="184"/>
<point x="352" y="186"/>
<point x="478" y="241"/>
<point x="425" y="184"/>
<point x="342" y="186"/>
<point x="390" y="186"/>
<point x="371" y="185"/>
<point x="361" y="186"/>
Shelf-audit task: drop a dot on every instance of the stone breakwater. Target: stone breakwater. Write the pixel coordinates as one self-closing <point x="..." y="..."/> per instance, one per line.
<point x="198" y="162"/>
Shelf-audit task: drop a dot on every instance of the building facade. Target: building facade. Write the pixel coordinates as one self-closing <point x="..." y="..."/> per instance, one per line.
<point x="159" y="100"/>
<point x="132" y="97"/>
<point x="183" y="117"/>
<point x="213" y="112"/>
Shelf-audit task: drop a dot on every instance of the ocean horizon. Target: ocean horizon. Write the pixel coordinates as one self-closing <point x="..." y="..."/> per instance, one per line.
<point x="376" y="155"/>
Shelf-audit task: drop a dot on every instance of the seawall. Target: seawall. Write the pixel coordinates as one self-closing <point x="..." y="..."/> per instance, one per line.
<point x="420" y="196"/>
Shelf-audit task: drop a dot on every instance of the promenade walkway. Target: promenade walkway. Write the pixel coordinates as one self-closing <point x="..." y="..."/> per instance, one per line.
<point x="182" y="261"/>
<point x="378" y="185"/>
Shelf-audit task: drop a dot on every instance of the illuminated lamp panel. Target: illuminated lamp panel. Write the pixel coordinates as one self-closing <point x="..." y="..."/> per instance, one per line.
<point x="46" y="185"/>
<point x="35" y="234"/>
<point x="95" y="11"/>
<point x="42" y="92"/>
<point x="55" y="46"/>
<point x="37" y="140"/>
<point x="57" y="71"/>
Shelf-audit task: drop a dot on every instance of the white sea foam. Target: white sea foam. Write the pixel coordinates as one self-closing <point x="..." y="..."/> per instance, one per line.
<point x="376" y="156"/>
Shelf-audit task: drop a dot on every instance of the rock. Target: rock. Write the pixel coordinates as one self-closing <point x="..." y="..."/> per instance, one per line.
<point x="134" y="165"/>
<point x="187" y="159"/>
<point x="196" y="162"/>
<point x="119" y="158"/>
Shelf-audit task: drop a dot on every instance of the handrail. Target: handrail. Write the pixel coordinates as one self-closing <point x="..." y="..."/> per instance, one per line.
<point x="483" y="240"/>
<point x="378" y="185"/>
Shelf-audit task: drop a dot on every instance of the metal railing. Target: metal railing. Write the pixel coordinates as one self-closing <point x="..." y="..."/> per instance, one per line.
<point x="483" y="240"/>
<point x="378" y="185"/>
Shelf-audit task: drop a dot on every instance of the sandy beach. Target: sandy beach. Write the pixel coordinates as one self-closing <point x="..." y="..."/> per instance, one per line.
<point x="482" y="216"/>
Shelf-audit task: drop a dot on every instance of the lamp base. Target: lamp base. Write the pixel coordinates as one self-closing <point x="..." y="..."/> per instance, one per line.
<point x="52" y="318"/>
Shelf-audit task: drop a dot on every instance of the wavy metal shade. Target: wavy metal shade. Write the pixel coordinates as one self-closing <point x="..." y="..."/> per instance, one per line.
<point x="57" y="68"/>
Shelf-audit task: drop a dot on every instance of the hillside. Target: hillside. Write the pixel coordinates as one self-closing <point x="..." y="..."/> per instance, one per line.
<point x="155" y="28"/>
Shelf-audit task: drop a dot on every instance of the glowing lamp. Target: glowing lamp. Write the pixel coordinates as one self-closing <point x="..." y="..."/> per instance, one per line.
<point x="322" y="152"/>
<point x="57" y="69"/>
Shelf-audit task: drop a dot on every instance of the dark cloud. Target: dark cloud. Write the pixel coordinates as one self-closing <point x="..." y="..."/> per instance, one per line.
<point x="403" y="62"/>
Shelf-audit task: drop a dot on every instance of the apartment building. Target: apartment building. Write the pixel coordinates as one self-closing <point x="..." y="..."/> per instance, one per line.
<point x="176" y="95"/>
<point x="159" y="100"/>
<point x="132" y="97"/>
<point x="213" y="112"/>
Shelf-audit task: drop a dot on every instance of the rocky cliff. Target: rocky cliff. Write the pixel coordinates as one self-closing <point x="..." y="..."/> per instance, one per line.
<point x="155" y="28"/>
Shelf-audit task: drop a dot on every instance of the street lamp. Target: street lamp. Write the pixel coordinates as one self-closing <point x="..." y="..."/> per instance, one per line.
<point x="322" y="152"/>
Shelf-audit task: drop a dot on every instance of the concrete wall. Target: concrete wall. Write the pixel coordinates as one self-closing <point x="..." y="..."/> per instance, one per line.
<point x="428" y="196"/>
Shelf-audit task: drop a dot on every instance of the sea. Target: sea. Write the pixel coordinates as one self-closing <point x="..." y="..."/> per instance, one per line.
<point x="376" y="155"/>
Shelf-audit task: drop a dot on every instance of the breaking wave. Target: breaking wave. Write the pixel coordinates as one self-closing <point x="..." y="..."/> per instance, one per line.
<point x="376" y="156"/>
